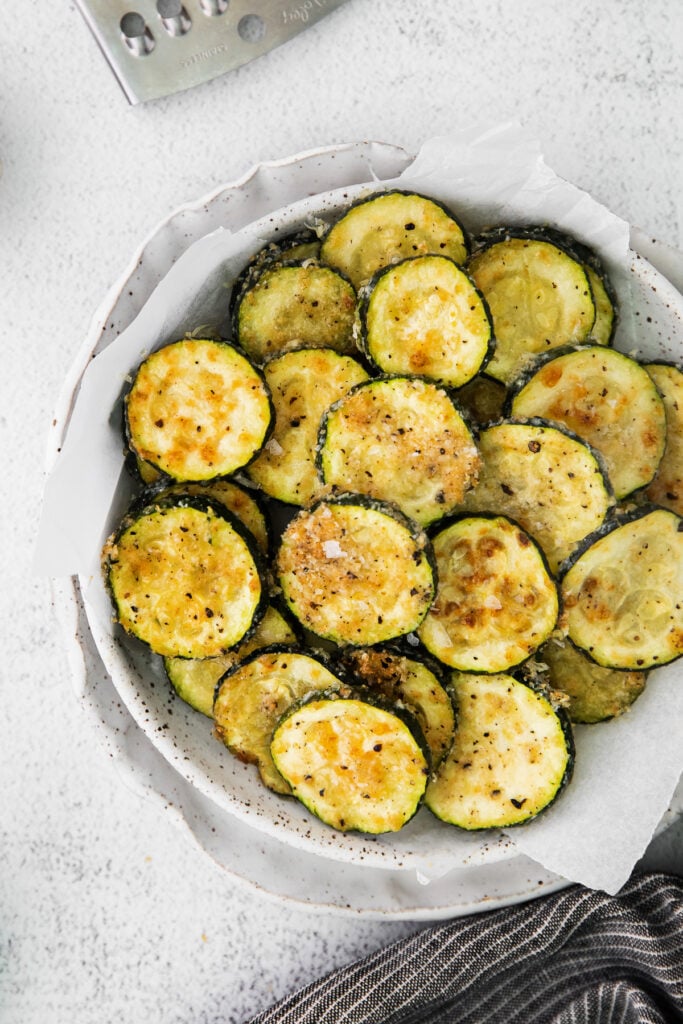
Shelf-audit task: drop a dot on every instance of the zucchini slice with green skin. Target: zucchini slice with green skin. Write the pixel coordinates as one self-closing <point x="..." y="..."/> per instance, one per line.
<point x="623" y="591"/>
<point x="354" y="764"/>
<point x="416" y="681"/>
<point x="482" y="399"/>
<point x="356" y="571"/>
<point x="293" y="305"/>
<point x="195" y="679"/>
<point x="606" y="398"/>
<point x="595" y="693"/>
<point x="544" y="477"/>
<point x="667" y="487"/>
<point x="604" y="325"/>
<point x="303" y="383"/>
<point x="237" y="499"/>
<point x="185" y="577"/>
<point x="399" y="439"/>
<point x="425" y="316"/>
<point x="253" y="695"/>
<point x="390" y="226"/>
<point x="538" y="295"/>
<point x="496" y="601"/>
<point x="513" y="755"/>
<point x="197" y="409"/>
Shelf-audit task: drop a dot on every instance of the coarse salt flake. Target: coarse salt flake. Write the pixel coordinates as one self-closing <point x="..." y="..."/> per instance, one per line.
<point x="332" y="549"/>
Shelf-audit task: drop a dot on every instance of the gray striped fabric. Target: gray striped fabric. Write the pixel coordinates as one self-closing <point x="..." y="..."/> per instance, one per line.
<point x="574" y="957"/>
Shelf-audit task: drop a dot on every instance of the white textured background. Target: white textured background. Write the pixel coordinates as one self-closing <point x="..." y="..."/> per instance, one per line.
<point x="108" y="912"/>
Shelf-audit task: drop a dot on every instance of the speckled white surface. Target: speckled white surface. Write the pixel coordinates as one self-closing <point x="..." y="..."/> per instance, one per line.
<point x="109" y="912"/>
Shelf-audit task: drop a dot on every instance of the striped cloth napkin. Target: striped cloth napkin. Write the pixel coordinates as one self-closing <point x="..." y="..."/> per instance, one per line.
<point x="575" y="957"/>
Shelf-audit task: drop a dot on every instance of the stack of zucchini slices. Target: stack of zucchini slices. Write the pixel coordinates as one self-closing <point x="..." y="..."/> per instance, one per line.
<point x="410" y="521"/>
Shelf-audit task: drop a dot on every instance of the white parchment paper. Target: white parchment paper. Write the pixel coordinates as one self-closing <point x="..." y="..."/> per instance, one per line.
<point x="627" y="769"/>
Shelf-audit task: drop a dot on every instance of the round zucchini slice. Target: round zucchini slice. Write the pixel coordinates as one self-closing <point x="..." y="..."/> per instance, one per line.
<point x="425" y="316"/>
<point x="390" y="226"/>
<point x="539" y="298"/>
<point x="667" y="487"/>
<point x="303" y="383"/>
<point x="399" y="439"/>
<point x="356" y="571"/>
<point x="496" y="601"/>
<point x="185" y="577"/>
<point x="354" y="764"/>
<point x="623" y="592"/>
<point x="544" y="477"/>
<point x="415" y="681"/>
<point x="606" y="398"/>
<point x="296" y="304"/>
<point x="512" y="756"/>
<point x="195" y="679"/>
<point x="604" y="325"/>
<point x="236" y="499"/>
<point x="197" y="409"/>
<point x="253" y="695"/>
<point x="595" y="693"/>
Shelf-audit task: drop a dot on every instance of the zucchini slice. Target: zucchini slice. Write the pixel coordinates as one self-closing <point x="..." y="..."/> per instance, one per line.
<point x="356" y="571"/>
<point x="185" y="577"/>
<point x="606" y="398"/>
<point x="544" y="477"/>
<point x="425" y="316"/>
<point x="197" y="409"/>
<point x="482" y="399"/>
<point x="595" y="693"/>
<point x="400" y="439"/>
<point x="303" y="383"/>
<point x="195" y="679"/>
<point x="667" y="487"/>
<point x="354" y="764"/>
<point x="604" y="325"/>
<point x="512" y="756"/>
<point x="390" y="226"/>
<point x="623" y="591"/>
<point x="417" y="682"/>
<point x="296" y="304"/>
<point x="253" y="695"/>
<point x="237" y="499"/>
<point x="496" y="601"/>
<point x="538" y="295"/>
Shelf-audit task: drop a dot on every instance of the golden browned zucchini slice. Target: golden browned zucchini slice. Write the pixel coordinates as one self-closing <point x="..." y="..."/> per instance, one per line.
<point x="197" y="409"/>
<point x="354" y="764"/>
<point x="496" y="601"/>
<point x="595" y="693"/>
<point x="253" y="695"/>
<point x="512" y="756"/>
<point x="294" y="305"/>
<point x="667" y="487"/>
<point x="185" y="577"/>
<point x="623" y="591"/>
<point x="356" y="571"/>
<point x="539" y="298"/>
<point x="416" y="681"/>
<point x="550" y="481"/>
<point x="303" y="384"/>
<point x="399" y="439"/>
<point x="389" y="226"/>
<point x="606" y="398"/>
<point x="425" y="316"/>
<point x="195" y="679"/>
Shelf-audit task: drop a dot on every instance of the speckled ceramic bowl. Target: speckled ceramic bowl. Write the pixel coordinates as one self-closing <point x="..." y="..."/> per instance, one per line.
<point x="168" y="749"/>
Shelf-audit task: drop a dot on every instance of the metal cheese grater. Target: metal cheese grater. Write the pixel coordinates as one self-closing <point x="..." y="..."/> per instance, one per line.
<point x="158" y="47"/>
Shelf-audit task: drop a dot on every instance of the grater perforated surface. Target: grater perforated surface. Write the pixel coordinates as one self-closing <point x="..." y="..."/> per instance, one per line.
<point x="159" y="47"/>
